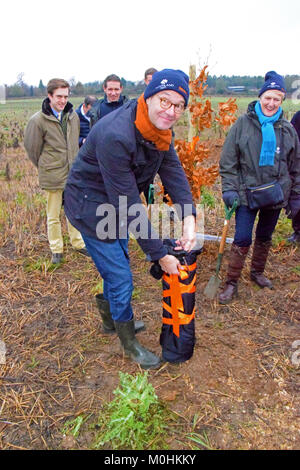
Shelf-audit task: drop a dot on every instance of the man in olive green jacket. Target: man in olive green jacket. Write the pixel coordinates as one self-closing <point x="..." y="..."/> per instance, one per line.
<point x="51" y="142"/>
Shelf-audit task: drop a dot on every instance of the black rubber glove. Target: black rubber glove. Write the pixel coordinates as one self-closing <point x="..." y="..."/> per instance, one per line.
<point x="229" y="197"/>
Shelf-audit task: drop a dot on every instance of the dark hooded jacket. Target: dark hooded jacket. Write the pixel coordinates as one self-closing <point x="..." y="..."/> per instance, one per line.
<point x="84" y="125"/>
<point x="296" y="122"/>
<point x="117" y="161"/>
<point x="103" y="107"/>
<point x="239" y="163"/>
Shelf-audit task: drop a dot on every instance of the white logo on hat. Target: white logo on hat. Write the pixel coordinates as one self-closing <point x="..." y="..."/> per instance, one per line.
<point x="164" y="81"/>
<point x="273" y="85"/>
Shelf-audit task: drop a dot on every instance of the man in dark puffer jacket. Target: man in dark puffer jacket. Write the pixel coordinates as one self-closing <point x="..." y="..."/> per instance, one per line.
<point x="123" y="153"/>
<point x="113" y="99"/>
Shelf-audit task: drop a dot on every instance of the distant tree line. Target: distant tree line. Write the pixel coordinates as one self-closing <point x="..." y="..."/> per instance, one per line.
<point x="20" y="89"/>
<point x="216" y="85"/>
<point x="219" y="85"/>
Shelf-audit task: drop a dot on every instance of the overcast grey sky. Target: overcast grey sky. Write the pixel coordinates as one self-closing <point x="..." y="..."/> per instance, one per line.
<point x="91" y="39"/>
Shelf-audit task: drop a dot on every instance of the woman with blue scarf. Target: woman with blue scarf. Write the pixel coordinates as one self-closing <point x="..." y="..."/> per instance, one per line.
<point x="261" y="148"/>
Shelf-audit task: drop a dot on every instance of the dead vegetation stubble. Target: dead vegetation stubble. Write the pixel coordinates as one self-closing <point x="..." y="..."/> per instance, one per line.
<point x="240" y="389"/>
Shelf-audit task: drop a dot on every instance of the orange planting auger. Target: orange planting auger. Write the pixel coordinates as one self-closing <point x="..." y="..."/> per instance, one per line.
<point x="178" y="329"/>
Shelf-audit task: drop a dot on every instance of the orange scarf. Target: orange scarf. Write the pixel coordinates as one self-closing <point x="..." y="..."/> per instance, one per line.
<point x="161" y="138"/>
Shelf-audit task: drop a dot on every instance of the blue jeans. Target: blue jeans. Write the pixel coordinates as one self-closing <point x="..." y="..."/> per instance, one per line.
<point x="244" y="222"/>
<point x="112" y="262"/>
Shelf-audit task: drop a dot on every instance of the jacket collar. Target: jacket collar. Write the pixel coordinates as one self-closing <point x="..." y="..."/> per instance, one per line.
<point x="46" y="108"/>
<point x="112" y="103"/>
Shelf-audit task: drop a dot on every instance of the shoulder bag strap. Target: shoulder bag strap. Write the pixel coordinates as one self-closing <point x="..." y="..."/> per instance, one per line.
<point x="280" y="156"/>
<point x="280" y="150"/>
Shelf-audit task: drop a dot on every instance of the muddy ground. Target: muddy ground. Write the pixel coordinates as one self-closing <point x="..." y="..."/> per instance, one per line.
<point x="240" y="390"/>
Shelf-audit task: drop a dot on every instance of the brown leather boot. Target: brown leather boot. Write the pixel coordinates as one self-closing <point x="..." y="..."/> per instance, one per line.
<point x="258" y="263"/>
<point x="237" y="258"/>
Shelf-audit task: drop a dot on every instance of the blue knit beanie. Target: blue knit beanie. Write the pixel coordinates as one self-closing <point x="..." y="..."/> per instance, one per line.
<point x="273" y="81"/>
<point x="169" y="79"/>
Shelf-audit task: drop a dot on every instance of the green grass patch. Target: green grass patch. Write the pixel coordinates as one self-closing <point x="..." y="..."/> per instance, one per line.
<point x="21" y="198"/>
<point x="135" y="419"/>
<point x="207" y="198"/>
<point x="201" y="440"/>
<point x="33" y="364"/>
<point x="296" y="270"/>
<point x="66" y="239"/>
<point x="18" y="175"/>
<point x="40" y="264"/>
<point x="137" y="292"/>
<point x="97" y="288"/>
<point x="283" y="229"/>
<point x="72" y="427"/>
<point x="218" y="325"/>
<point x="39" y="199"/>
<point x="4" y="213"/>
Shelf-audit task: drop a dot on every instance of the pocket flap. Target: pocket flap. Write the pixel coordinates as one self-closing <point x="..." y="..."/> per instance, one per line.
<point x="52" y="165"/>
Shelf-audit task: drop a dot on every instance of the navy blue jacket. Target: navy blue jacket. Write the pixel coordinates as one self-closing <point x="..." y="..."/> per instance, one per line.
<point x="84" y="126"/>
<point x="103" y="107"/>
<point x="296" y="122"/>
<point x="117" y="161"/>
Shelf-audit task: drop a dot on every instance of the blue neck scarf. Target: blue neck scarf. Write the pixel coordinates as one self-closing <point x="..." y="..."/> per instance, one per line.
<point x="268" y="147"/>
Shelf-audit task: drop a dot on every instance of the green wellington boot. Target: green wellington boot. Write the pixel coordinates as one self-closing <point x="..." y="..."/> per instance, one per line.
<point x="133" y="349"/>
<point x="108" y="325"/>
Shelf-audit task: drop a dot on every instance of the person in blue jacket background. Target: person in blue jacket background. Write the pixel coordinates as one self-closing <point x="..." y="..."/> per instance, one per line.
<point x="295" y="209"/>
<point x="84" y="118"/>
<point x="121" y="156"/>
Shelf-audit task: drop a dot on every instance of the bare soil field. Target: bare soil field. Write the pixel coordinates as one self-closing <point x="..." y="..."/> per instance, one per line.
<point x="240" y="390"/>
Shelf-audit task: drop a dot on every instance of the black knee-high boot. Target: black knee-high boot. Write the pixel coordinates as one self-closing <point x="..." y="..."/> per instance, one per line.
<point x="133" y="349"/>
<point x="108" y="325"/>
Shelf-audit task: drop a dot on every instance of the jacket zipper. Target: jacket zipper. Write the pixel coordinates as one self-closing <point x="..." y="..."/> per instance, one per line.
<point x="261" y="189"/>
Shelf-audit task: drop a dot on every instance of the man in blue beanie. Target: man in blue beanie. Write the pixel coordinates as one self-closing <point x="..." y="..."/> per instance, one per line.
<point x="167" y="79"/>
<point x="120" y="158"/>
